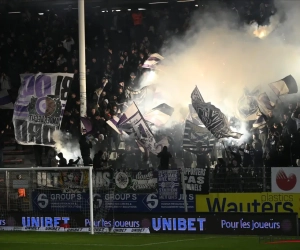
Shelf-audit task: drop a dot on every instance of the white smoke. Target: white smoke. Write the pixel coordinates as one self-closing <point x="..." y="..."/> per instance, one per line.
<point x="222" y="60"/>
<point x="65" y="144"/>
<point x="262" y="31"/>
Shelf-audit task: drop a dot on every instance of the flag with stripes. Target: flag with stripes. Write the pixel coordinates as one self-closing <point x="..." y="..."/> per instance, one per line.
<point x="159" y="115"/>
<point x="263" y="98"/>
<point x="287" y="85"/>
<point x="193" y="116"/>
<point x="5" y="100"/>
<point x="152" y="61"/>
<point x="195" y="135"/>
<point x="213" y="119"/>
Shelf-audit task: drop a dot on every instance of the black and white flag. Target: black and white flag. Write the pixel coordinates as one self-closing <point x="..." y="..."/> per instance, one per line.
<point x="213" y="118"/>
<point x="195" y="135"/>
<point x="196" y="180"/>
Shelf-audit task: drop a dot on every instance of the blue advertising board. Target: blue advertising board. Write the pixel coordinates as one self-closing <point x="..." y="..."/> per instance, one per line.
<point x="50" y="201"/>
<point x="58" y="201"/>
<point x="143" y="203"/>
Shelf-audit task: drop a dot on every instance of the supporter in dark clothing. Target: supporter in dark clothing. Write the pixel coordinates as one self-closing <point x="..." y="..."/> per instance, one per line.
<point x="234" y="179"/>
<point x="72" y="162"/>
<point x="247" y="157"/>
<point x="98" y="161"/>
<point x="38" y="152"/>
<point x="220" y="175"/>
<point x="85" y="147"/>
<point x="164" y="156"/>
<point x="258" y="154"/>
<point x="62" y="161"/>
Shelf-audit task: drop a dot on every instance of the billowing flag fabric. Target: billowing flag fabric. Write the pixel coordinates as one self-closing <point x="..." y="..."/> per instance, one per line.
<point x="264" y="97"/>
<point x="5" y="100"/>
<point x="193" y="116"/>
<point x="152" y="61"/>
<point x="142" y="131"/>
<point x="40" y="106"/>
<point x="195" y="135"/>
<point x="121" y="124"/>
<point x="141" y="94"/>
<point x="196" y="95"/>
<point x="213" y="119"/>
<point x="159" y="115"/>
<point x="86" y="124"/>
<point x="285" y="86"/>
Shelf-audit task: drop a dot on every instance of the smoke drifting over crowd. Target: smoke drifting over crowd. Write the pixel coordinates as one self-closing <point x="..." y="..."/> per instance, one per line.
<point x="222" y="59"/>
<point x="66" y="145"/>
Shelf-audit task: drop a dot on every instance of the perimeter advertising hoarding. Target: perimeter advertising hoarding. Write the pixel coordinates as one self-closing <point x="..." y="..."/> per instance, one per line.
<point x="248" y="202"/>
<point x="285" y="180"/>
<point x="187" y="223"/>
<point x="48" y="201"/>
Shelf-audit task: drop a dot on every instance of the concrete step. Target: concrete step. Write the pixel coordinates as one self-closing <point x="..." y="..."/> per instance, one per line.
<point x="17" y="152"/>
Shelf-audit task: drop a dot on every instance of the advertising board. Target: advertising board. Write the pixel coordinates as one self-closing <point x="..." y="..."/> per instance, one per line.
<point x="188" y="223"/>
<point x="248" y="202"/>
<point x="285" y="180"/>
<point x="47" y="201"/>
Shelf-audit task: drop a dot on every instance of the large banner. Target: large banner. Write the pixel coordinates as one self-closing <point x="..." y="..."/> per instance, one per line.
<point x="196" y="180"/>
<point x="50" y="201"/>
<point x="74" y="181"/>
<point x="40" y="106"/>
<point x="248" y="202"/>
<point x="166" y="183"/>
<point x="284" y="224"/>
<point x="285" y="180"/>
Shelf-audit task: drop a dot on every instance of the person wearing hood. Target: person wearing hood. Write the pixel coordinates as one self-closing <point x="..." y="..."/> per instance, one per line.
<point x="164" y="156"/>
<point x="85" y="147"/>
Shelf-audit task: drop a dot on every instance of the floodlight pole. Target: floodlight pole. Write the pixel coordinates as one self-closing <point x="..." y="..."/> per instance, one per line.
<point x="82" y="60"/>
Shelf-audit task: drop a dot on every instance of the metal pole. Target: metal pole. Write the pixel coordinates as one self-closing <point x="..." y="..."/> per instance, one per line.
<point x="91" y="199"/>
<point x="82" y="61"/>
<point x="184" y="189"/>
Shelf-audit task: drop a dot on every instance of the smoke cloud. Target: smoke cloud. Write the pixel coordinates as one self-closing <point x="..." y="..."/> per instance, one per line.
<point x="65" y="144"/>
<point x="222" y="59"/>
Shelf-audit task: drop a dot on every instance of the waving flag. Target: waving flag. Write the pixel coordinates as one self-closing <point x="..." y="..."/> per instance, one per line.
<point x="193" y="116"/>
<point x="264" y="98"/>
<point x="159" y="115"/>
<point x="213" y="119"/>
<point x="193" y="135"/>
<point x="86" y="124"/>
<point x="5" y="100"/>
<point x="152" y="61"/>
<point x="285" y="86"/>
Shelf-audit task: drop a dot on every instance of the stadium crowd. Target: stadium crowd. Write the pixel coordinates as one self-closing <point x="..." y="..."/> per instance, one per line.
<point x="117" y="45"/>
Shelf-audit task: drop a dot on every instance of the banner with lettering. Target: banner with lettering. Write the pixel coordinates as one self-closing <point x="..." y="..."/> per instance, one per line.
<point x="40" y="106"/>
<point x="168" y="184"/>
<point x="74" y="181"/>
<point x="140" y="181"/>
<point x="196" y="180"/>
<point x="52" y="200"/>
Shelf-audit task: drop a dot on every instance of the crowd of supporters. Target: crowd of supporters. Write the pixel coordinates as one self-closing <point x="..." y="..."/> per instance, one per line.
<point x="117" y="45"/>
